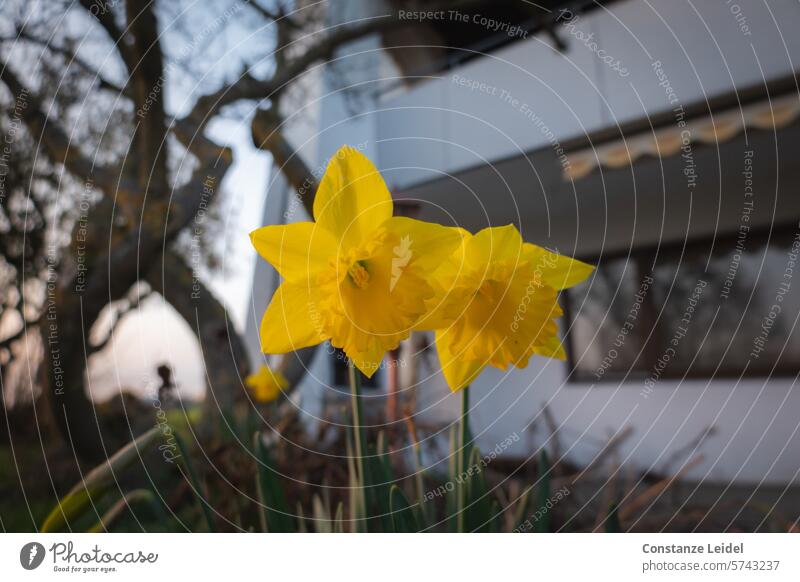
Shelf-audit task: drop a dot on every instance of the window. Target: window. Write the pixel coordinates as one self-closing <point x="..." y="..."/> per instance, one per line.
<point x="712" y="308"/>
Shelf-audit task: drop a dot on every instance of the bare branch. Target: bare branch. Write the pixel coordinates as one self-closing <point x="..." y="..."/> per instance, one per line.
<point x="5" y="343"/>
<point x="57" y="143"/>
<point x="267" y="135"/>
<point x="250" y="88"/>
<point x="160" y="222"/>
<point x="102" y="12"/>
<point x="71" y="57"/>
<point x="119" y="315"/>
<point x="279" y="14"/>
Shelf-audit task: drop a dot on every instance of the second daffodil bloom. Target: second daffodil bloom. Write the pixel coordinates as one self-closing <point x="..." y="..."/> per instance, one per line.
<point x="266" y="384"/>
<point x="500" y="303"/>
<point x="356" y="276"/>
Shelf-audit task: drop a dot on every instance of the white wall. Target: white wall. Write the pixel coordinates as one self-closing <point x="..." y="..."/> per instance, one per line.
<point x="442" y="126"/>
<point x="756" y="438"/>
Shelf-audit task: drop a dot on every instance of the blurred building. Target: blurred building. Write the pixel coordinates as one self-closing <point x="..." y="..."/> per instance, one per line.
<point x="655" y="140"/>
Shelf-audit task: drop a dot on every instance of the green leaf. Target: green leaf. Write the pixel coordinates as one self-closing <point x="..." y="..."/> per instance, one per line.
<point x="205" y="507"/>
<point x="380" y="476"/>
<point x="301" y="519"/>
<point x="338" y="520"/>
<point x="479" y="503"/>
<point x="521" y="511"/>
<point x="496" y="520"/>
<point x="612" y="519"/>
<point x="403" y="518"/>
<point x="118" y="509"/>
<point x="97" y="483"/>
<point x="419" y="484"/>
<point x="322" y="518"/>
<point x="275" y="514"/>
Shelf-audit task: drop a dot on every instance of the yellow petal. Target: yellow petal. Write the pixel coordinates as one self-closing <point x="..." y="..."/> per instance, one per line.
<point x="557" y="271"/>
<point x="447" y="302"/>
<point x="552" y="348"/>
<point x="423" y="245"/>
<point x="452" y="268"/>
<point x="266" y="384"/>
<point x="499" y="243"/>
<point x="447" y="305"/>
<point x="352" y="199"/>
<point x="458" y="371"/>
<point x="296" y="250"/>
<point x="369" y="359"/>
<point x="292" y="320"/>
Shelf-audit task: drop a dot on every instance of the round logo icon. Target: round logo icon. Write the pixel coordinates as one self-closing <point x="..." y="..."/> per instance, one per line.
<point x="31" y="555"/>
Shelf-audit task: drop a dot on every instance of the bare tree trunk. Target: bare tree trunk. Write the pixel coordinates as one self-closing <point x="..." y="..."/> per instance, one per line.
<point x="71" y="309"/>
<point x="224" y="355"/>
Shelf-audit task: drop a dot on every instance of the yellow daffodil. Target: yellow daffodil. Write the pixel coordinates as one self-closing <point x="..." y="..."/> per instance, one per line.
<point x="266" y="384"/>
<point x="500" y="303"/>
<point x="357" y="276"/>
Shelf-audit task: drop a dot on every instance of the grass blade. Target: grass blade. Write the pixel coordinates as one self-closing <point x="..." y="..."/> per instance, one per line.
<point x="97" y="483"/>
<point x="612" y="520"/>
<point x="521" y="511"/>
<point x="322" y="519"/>
<point x="274" y="507"/>
<point x="338" y="520"/>
<point x="403" y="518"/>
<point x="144" y="496"/>
<point x="195" y="483"/>
<point x="479" y="503"/>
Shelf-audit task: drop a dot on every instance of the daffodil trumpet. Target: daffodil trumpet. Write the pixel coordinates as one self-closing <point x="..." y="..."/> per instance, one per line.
<point x="496" y="303"/>
<point x="357" y="276"/>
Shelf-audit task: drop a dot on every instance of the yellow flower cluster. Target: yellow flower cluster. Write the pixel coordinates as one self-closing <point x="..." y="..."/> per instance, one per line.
<point x="266" y="384"/>
<point x="365" y="279"/>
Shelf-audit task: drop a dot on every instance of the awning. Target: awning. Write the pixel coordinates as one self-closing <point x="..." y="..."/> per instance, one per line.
<point x="668" y="141"/>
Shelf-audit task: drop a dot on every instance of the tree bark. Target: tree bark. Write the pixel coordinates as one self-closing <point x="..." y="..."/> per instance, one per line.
<point x="147" y="87"/>
<point x="224" y="355"/>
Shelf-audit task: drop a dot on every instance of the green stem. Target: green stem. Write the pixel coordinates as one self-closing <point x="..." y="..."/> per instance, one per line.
<point x="463" y="438"/>
<point x="360" y="436"/>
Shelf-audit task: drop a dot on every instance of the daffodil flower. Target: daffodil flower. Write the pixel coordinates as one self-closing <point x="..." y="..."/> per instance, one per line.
<point x="266" y="384"/>
<point x="498" y="302"/>
<point x="357" y="276"/>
